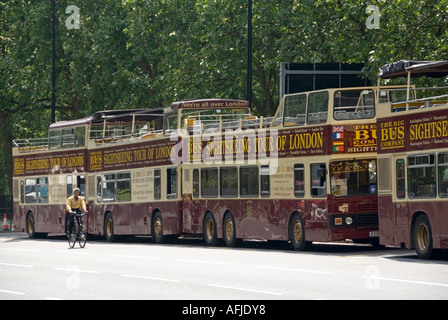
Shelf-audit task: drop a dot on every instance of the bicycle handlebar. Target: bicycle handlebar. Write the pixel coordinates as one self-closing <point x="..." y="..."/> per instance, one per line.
<point x="78" y="214"/>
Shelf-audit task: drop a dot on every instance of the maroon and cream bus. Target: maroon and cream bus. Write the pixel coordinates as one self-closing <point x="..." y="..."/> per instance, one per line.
<point x="123" y="162"/>
<point x="413" y="161"/>
<point x="311" y="176"/>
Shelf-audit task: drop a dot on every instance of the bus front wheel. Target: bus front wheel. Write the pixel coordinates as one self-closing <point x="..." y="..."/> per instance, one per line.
<point x="30" y="226"/>
<point x="209" y="226"/>
<point x="422" y="237"/>
<point x="109" y="228"/>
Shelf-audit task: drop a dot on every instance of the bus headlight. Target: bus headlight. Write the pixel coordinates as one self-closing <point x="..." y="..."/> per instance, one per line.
<point x="348" y="220"/>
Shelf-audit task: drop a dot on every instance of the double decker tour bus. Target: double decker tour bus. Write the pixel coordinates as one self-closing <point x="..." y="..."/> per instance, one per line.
<point x="122" y="162"/>
<point x="311" y="176"/>
<point x="327" y="184"/>
<point x="413" y="161"/>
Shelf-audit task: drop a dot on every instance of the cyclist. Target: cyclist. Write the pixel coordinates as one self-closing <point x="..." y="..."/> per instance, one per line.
<point x="74" y="204"/>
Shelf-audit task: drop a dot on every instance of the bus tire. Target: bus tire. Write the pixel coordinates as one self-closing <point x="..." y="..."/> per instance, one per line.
<point x="422" y="237"/>
<point x="209" y="225"/>
<point x="229" y="230"/>
<point x="157" y="228"/>
<point x="297" y="233"/>
<point x="30" y="226"/>
<point x="109" y="227"/>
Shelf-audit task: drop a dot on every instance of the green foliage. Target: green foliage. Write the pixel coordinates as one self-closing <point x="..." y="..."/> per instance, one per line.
<point x="145" y="53"/>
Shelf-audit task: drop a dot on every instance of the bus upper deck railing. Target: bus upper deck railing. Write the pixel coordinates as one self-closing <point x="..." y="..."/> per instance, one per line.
<point x="421" y="103"/>
<point x="31" y="145"/>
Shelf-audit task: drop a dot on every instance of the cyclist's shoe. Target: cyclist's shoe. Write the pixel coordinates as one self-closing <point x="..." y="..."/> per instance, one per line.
<point x="73" y="236"/>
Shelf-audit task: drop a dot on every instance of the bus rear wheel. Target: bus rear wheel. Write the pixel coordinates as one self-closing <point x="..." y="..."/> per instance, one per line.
<point x="422" y="237"/>
<point x="209" y="226"/>
<point x="157" y="228"/>
<point x="297" y="233"/>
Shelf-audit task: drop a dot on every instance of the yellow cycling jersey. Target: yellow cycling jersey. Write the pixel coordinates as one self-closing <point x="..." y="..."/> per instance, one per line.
<point x="72" y="203"/>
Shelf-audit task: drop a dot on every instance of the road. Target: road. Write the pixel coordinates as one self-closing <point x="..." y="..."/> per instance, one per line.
<point x="137" y="269"/>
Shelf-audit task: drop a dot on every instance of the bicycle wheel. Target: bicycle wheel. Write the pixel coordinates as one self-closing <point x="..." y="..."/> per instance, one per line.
<point x="82" y="236"/>
<point x="71" y="240"/>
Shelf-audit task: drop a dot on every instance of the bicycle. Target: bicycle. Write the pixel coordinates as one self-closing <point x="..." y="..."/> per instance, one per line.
<point x="81" y="234"/>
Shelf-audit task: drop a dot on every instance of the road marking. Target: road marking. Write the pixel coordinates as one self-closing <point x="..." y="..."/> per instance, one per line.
<point x="206" y="262"/>
<point x="17" y="249"/>
<point x="76" y="270"/>
<point x="13" y="292"/>
<point x="148" y="278"/>
<point x="408" y="281"/>
<point x="125" y="256"/>
<point x="245" y="289"/>
<point x="16" y="265"/>
<point x="294" y="270"/>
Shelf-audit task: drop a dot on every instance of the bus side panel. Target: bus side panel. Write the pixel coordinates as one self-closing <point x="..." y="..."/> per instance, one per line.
<point x="136" y="218"/>
<point x="19" y="218"/>
<point x="386" y="217"/>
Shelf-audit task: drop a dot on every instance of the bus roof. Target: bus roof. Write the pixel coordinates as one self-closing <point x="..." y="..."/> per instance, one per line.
<point x="434" y="69"/>
<point x="123" y="115"/>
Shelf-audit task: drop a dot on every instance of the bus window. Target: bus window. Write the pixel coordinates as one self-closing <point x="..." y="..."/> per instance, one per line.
<point x="195" y="183"/>
<point x="443" y="175"/>
<point x="123" y="187"/>
<point x="42" y="190"/>
<point x="229" y="182"/>
<point x="421" y="176"/>
<point x="249" y="181"/>
<point x="68" y="138"/>
<point x="353" y="178"/>
<point x="317" y="107"/>
<point x="36" y="190"/>
<point x="354" y="104"/>
<point x="109" y="188"/>
<point x="171" y="183"/>
<point x="80" y="136"/>
<point x="299" y="180"/>
<point x="55" y="140"/>
<point x="295" y="110"/>
<point x="318" y="180"/>
<point x="157" y="184"/>
<point x="30" y="190"/>
<point x="98" y="188"/>
<point x="265" y="181"/>
<point x="69" y="186"/>
<point x="22" y="191"/>
<point x="81" y="183"/>
<point x="209" y="182"/>
<point x="401" y="179"/>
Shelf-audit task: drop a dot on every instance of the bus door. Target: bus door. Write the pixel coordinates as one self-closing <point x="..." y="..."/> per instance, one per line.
<point x="317" y="206"/>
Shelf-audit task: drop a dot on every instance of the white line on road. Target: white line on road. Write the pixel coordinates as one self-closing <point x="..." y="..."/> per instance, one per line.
<point x="149" y="278"/>
<point x="18" y="249"/>
<point x="246" y="289"/>
<point x="16" y="265"/>
<point x="138" y="257"/>
<point x="13" y="292"/>
<point x="75" y="270"/>
<point x="294" y="270"/>
<point x="206" y="262"/>
<point x="408" y="281"/>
